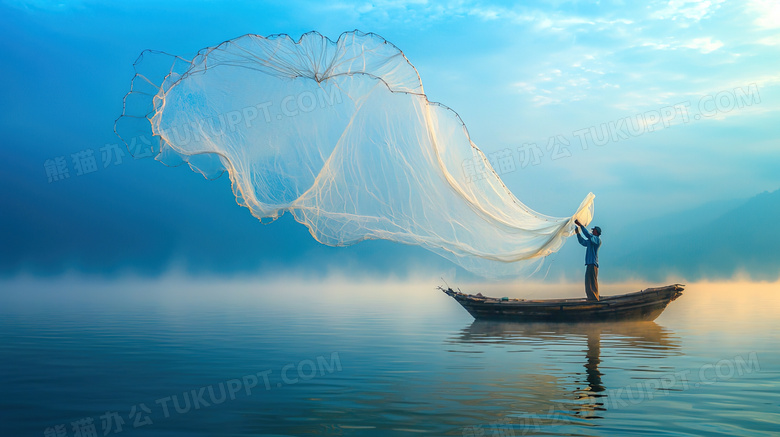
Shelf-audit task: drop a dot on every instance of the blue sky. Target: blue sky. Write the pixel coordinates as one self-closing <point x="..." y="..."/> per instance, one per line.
<point x="518" y="75"/>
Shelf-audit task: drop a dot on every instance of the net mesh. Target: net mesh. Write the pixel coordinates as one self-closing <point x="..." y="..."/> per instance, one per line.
<point x="341" y="135"/>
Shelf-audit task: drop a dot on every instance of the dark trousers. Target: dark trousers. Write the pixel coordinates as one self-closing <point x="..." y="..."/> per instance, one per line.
<point x="592" y="282"/>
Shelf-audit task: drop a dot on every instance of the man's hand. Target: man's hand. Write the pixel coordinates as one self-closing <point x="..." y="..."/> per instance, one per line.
<point x="577" y="222"/>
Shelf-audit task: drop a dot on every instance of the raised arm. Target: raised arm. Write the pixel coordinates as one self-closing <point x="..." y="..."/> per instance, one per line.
<point x="585" y="232"/>
<point x="582" y="241"/>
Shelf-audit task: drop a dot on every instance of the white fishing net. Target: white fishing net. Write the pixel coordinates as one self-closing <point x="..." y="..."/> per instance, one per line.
<point x="341" y="135"/>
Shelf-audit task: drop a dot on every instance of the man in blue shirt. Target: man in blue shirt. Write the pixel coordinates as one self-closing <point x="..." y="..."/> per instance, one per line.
<point x="592" y="243"/>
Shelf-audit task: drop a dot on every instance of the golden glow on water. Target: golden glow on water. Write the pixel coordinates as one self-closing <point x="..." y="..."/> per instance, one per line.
<point x="739" y="298"/>
<point x="728" y="308"/>
<point x="729" y="312"/>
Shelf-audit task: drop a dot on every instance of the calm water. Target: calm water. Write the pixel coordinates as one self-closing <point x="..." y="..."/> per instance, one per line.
<point x="268" y="359"/>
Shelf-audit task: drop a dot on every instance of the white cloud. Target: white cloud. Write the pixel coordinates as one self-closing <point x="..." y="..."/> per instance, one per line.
<point x="568" y="83"/>
<point x="489" y="13"/>
<point x="524" y="87"/>
<point x="598" y="52"/>
<point x="657" y="46"/>
<point x="704" y="45"/>
<point x="767" y="13"/>
<point x="687" y="10"/>
<point x="770" y="40"/>
<point x="540" y="100"/>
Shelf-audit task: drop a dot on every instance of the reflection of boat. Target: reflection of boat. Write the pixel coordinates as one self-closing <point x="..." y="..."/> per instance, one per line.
<point x="566" y="342"/>
<point x="635" y="336"/>
<point x="642" y="305"/>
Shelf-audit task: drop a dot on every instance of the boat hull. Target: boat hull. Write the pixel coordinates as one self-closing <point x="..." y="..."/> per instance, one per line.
<point x="643" y="305"/>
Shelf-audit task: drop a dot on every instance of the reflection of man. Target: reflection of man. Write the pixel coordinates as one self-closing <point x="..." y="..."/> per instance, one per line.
<point x="592" y="244"/>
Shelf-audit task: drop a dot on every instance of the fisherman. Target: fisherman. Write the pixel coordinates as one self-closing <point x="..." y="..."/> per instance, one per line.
<point x="592" y="243"/>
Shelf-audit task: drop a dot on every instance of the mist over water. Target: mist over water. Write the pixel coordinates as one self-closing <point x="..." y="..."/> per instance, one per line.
<point x="360" y="358"/>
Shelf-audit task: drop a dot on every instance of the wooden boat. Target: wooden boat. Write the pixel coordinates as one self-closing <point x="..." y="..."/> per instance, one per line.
<point x="642" y="305"/>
